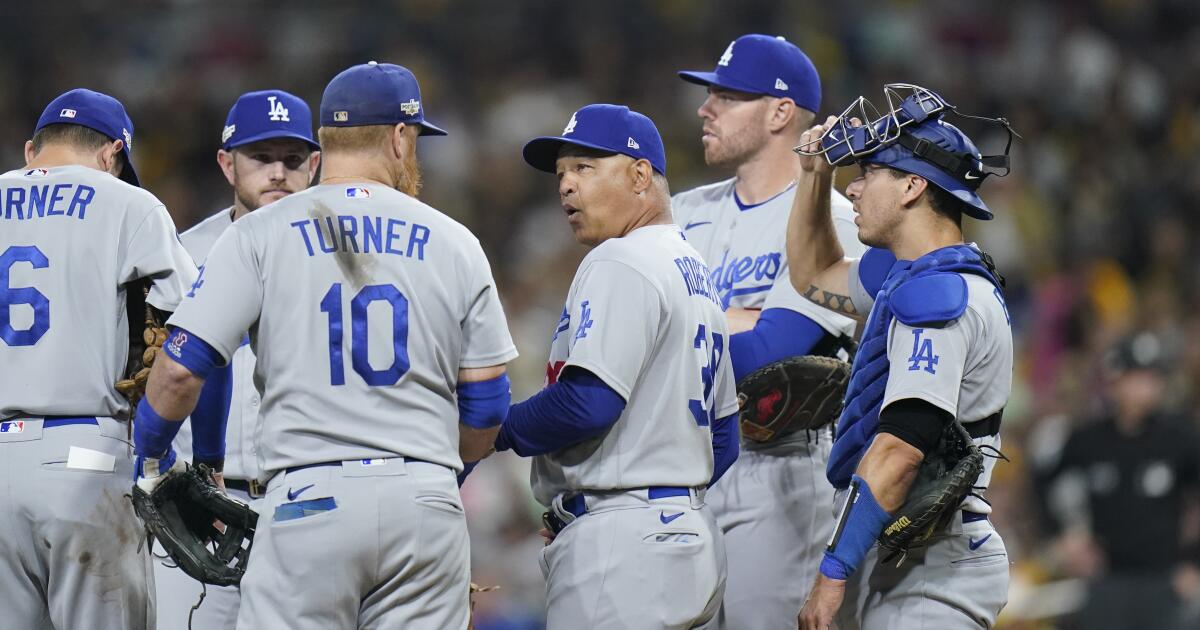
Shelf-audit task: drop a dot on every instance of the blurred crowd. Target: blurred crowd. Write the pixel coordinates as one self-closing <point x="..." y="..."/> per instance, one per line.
<point x="1093" y="231"/>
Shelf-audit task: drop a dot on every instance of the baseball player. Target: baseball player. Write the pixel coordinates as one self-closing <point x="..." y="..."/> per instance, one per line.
<point x="637" y="417"/>
<point x="267" y="152"/>
<point x="937" y="349"/>
<point x="76" y="228"/>
<point x="380" y="346"/>
<point x="772" y="505"/>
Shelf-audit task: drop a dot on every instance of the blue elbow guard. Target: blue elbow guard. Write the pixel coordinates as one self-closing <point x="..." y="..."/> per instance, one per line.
<point x="152" y="433"/>
<point x="858" y="526"/>
<point x="484" y="404"/>
<point x="193" y="353"/>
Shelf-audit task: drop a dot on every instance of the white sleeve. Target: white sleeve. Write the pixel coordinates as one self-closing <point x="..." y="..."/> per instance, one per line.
<point x="928" y="363"/>
<point x="227" y="298"/>
<point x="486" y="339"/>
<point x="615" y="316"/>
<point x="862" y="300"/>
<point x="154" y="251"/>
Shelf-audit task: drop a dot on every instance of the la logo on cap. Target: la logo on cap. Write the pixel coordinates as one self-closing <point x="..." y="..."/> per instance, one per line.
<point x="277" y="111"/>
<point x="570" y="125"/>
<point x="227" y="133"/>
<point x="411" y="107"/>
<point x="727" y="56"/>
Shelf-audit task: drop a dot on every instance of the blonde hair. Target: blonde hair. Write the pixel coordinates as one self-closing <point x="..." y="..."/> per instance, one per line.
<point x="354" y="139"/>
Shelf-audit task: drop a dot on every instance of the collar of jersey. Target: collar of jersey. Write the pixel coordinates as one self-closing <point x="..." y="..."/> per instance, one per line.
<point x="745" y="206"/>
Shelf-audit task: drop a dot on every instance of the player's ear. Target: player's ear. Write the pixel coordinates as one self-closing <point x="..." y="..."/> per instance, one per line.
<point x="399" y="141"/>
<point x="314" y="162"/>
<point x="780" y="114"/>
<point x="225" y="161"/>
<point x="914" y="186"/>
<point x="29" y="152"/>
<point x="108" y="157"/>
<point x="642" y="175"/>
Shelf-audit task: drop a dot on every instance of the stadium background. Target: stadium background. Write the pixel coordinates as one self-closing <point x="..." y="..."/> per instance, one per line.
<point x="1094" y="230"/>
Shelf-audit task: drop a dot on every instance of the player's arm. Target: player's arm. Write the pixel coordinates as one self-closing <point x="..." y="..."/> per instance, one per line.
<point x="576" y="408"/>
<point x="816" y="261"/>
<point x="483" y="398"/>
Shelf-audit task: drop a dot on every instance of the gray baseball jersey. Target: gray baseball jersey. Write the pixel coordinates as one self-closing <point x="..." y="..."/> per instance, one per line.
<point x="964" y="368"/>
<point x="72" y="236"/>
<point x="636" y="307"/>
<point x="240" y="449"/>
<point x="362" y="304"/>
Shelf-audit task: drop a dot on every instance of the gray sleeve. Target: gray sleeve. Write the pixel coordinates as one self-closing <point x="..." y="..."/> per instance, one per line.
<point x="485" y="337"/>
<point x="227" y="297"/>
<point x="615" y="314"/>
<point x="154" y="251"/>
<point x="928" y="363"/>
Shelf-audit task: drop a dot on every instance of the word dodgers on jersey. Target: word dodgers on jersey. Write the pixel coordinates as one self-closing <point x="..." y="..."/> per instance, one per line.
<point x="28" y="202"/>
<point x="762" y="268"/>
<point x="377" y="235"/>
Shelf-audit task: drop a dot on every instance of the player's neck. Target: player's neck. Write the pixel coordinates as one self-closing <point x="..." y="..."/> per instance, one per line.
<point x="921" y="235"/>
<point x="347" y="169"/>
<point x="765" y="175"/>
<point x="61" y="155"/>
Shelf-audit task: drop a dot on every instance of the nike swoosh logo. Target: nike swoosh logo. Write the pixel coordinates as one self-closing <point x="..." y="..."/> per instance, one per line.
<point x="666" y="520"/>
<point x="970" y="176"/>
<point x="292" y="494"/>
<point x="975" y="544"/>
<point x="696" y="224"/>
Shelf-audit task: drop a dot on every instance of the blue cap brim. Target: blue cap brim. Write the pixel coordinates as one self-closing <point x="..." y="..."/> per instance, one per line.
<point x="128" y="174"/>
<point x="542" y="153"/>
<point x="271" y="135"/>
<point x="430" y="129"/>
<point x="712" y="78"/>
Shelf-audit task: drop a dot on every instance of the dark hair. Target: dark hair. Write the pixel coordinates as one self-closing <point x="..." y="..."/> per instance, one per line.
<point x="74" y="135"/>
<point x="940" y="201"/>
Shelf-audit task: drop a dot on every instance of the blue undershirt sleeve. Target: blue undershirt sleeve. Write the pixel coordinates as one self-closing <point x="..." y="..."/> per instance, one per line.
<point x="578" y="407"/>
<point x="210" y="418"/>
<point x="780" y="333"/>
<point x="725" y="445"/>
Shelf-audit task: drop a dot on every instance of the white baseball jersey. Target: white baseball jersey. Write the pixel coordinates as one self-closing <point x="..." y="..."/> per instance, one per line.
<point x="362" y="305"/>
<point x="240" y="449"/>
<point x="70" y="237"/>
<point x="964" y="368"/>
<point x="643" y="316"/>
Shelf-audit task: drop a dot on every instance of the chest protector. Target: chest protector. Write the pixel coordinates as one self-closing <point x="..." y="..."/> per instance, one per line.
<point x="869" y="374"/>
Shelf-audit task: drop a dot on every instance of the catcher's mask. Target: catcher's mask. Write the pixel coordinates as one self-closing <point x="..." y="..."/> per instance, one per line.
<point x="911" y="136"/>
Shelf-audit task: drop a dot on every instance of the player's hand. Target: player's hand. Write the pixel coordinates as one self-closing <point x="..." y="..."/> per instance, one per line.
<point x="546" y="535"/>
<point x="150" y="471"/>
<point x="741" y="319"/>
<point x="810" y="140"/>
<point x="822" y="604"/>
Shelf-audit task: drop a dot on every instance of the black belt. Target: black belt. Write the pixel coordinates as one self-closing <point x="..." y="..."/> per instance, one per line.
<point x="984" y="428"/>
<point x="251" y="487"/>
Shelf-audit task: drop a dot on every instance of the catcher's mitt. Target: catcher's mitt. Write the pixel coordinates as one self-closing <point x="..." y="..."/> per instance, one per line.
<point x="179" y="513"/>
<point x="147" y="333"/>
<point x="794" y="394"/>
<point x="943" y="481"/>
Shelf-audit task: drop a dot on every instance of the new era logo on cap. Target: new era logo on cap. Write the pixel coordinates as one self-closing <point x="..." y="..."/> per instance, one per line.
<point x="780" y="85"/>
<point x="632" y="144"/>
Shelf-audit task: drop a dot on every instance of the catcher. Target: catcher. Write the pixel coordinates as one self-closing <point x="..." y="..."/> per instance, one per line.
<point x="931" y="375"/>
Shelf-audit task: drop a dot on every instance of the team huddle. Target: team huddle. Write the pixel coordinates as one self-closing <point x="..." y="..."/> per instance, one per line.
<point x="767" y="405"/>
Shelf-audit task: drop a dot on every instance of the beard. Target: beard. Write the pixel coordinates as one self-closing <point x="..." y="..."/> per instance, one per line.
<point x="409" y="177"/>
<point x="734" y="149"/>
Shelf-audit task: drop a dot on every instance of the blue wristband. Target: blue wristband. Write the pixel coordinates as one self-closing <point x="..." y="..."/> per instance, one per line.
<point x="152" y="433"/>
<point x="859" y="525"/>
<point x="193" y="353"/>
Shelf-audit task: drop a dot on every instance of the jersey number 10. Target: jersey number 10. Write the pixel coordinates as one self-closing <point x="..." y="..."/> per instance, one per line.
<point x="331" y="304"/>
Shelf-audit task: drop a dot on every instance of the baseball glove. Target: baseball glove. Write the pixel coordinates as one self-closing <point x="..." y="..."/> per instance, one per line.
<point x="180" y="514"/>
<point x="798" y="393"/>
<point x="945" y="478"/>
<point x="147" y="333"/>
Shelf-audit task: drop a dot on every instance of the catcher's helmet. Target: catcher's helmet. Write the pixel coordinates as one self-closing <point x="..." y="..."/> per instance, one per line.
<point x="911" y="136"/>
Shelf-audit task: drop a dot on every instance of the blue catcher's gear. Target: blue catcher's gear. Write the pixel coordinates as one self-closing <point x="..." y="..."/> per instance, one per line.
<point x="912" y="137"/>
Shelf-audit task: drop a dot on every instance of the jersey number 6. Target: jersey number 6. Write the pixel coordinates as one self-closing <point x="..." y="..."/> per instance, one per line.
<point x="10" y="297"/>
<point x="332" y="305"/>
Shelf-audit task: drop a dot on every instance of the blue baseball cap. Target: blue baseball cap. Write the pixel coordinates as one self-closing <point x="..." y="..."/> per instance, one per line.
<point x="267" y="114"/>
<point x="375" y="93"/>
<point x="96" y="111"/>
<point x="612" y="128"/>
<point x="761" y="64"/>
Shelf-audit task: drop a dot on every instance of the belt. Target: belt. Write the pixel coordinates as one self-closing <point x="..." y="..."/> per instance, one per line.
<point x="576" y="506"/>
<point x="251" y="487"/>
<point x="339" y="463"/>
<point x="58" y="421"/>
<point x="971" y="517"/>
